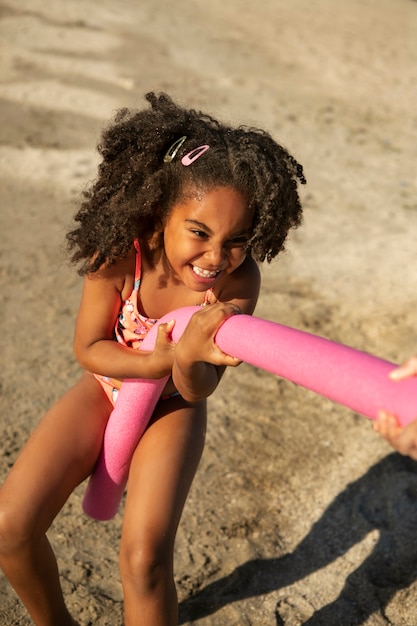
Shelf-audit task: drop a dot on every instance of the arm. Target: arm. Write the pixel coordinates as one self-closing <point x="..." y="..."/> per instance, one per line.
<point x="94" y="345"/>
<point x="198" y="362"/>
<point x="403" y="439"/>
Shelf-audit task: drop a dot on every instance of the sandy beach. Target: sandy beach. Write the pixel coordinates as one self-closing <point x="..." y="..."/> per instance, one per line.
<point x="299" y="513"/>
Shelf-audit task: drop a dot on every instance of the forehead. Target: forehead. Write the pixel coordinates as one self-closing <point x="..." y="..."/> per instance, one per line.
<point x="225" y="204"/>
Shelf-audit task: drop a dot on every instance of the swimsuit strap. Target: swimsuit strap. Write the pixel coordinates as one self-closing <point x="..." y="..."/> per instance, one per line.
<point x="207" y="296"/>
<point x="138" y="266"/>
<point x="138" y="275"/>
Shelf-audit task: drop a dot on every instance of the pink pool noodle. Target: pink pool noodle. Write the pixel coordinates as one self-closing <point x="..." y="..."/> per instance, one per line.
<point x="127" y="423"/>
<point x="345" y="375"/>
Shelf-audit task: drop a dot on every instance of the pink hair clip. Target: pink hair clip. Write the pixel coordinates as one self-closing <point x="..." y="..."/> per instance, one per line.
<point x="194" y="155"/>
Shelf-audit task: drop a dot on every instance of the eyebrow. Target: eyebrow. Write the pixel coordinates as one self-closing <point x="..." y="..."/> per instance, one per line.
<point x="203" y="226"/>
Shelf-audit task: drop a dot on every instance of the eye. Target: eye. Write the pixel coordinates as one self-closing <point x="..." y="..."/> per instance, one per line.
<point x="199" y="233"/>
<point x="238" y="241"/>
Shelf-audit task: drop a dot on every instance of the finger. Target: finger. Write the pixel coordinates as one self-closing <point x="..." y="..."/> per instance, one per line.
<point x="222" y="358"/>
<point x="408" y="368"/>
<point x="165" y="330"/>
<point x="387" y="425"/>
<point x="233" y="361"/>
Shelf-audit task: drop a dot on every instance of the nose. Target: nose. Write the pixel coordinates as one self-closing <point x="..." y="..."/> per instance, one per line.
<point x="215" y="255"/>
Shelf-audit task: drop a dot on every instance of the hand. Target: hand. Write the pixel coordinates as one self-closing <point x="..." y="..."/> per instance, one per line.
<point x="199" y="362"/>
<point x="197" y="343"/>
<point x="403" y="439"/>
<point x="161" y="359"/>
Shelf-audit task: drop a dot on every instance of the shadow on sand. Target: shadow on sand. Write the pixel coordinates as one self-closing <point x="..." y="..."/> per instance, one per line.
<point x="384" y="499"/>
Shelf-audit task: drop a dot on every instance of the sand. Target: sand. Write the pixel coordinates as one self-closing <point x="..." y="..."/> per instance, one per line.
<point x="299" y="513"/>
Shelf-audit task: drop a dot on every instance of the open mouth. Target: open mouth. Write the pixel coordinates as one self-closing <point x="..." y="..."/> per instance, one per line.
<point x="204" y="273"/>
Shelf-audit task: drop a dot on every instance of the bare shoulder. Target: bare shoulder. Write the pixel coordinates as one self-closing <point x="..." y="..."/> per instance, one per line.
<point x="242" y="286"/>
<point x="120" y="274"/>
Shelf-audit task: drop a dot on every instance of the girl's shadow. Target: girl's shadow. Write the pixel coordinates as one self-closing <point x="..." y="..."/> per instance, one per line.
<point x="385" y="498"/>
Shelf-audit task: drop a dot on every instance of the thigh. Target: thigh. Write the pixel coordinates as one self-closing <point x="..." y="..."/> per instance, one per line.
<point x="58" y="456"/>
<point x="162" y="470"/>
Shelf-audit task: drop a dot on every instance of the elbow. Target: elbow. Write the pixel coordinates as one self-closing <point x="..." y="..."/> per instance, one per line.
<point x="187" y="392"/>
<point x="195" y="388"/>
<point x="193" y="394"/>
<point x="81" y="355"/>
<point x="81" y="360"/>
<point x="192" y="398"/>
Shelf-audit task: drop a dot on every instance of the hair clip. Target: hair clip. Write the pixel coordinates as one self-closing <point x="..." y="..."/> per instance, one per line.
<point x="194" y="155"/>
<point x="173" y="149"/>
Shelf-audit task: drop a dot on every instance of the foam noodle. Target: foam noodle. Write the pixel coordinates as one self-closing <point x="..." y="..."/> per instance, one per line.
<point x="347" y="376"/>
<point x="134" y="407"/>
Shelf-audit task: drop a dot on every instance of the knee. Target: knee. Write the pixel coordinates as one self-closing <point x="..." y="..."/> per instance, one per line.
<point x="145" y="565"/>
<point x="13" y="532"/>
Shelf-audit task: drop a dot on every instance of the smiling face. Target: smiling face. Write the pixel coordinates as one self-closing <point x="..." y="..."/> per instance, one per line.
<point x="205" y="237"/>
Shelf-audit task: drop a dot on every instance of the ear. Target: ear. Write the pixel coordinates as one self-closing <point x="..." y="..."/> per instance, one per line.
<point x="156" y="241"/>
<point x="160" y="222"/>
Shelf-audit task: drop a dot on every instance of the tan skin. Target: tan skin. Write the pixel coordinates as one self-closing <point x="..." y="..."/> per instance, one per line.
<point x="203" y="247"/>
<point x="403" y="439"/>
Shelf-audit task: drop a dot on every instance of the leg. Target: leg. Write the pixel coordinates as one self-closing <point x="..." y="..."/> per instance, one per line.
<point x="161" y="474"/>
<point x="60" y="454"/>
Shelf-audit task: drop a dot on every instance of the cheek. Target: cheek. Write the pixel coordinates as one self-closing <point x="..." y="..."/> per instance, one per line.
<point x="237" y="257"/>
<point x="183" y="250"/>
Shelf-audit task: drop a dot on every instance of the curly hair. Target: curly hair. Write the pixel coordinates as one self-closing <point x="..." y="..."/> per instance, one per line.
<point x="135" y="189"/>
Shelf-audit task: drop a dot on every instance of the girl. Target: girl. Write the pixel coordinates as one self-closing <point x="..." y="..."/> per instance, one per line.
<point x="182" y="211"/>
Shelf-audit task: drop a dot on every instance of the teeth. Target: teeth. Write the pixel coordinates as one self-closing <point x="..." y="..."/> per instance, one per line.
<point x="204" y="273"/>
